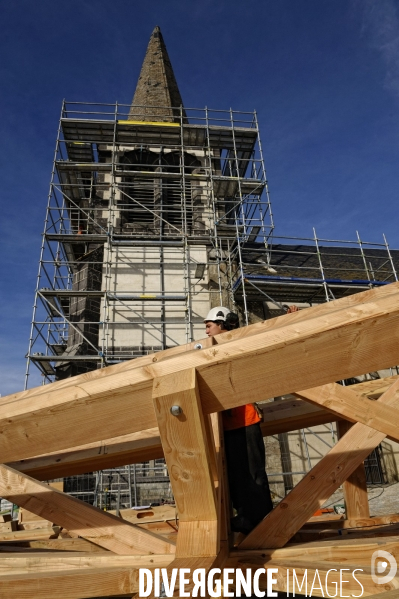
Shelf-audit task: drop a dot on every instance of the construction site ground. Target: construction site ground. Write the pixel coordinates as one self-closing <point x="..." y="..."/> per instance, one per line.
<point x="382" y="499"/>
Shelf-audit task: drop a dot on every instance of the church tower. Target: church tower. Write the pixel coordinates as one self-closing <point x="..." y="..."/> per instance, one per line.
<point x="151" y="208"/>
<point x="157" y="96"/>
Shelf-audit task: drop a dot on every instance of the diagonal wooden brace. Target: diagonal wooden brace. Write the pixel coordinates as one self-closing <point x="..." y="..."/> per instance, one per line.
<point x="319" y="484"/>
<point x="81" y="518"/>
<point x="345" y="402"/>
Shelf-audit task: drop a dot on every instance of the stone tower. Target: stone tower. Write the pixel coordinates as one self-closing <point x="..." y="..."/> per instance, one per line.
<point x="151" y="207"/>
<point x="157" y="96"/>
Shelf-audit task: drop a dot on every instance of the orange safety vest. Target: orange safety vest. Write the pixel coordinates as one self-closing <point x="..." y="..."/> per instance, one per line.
<point x="239" y="417"/>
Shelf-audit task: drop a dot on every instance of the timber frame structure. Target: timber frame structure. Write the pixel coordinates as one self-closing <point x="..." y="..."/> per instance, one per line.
<point x="302" y="353"/>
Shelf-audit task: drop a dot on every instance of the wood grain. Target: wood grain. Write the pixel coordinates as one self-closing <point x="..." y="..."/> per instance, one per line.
<point x="79" y="517"/>
<point x="318" y="484"/>
<point x="303" y="354"/>
<point x="355" y="486"/>
<point x="188" y="455"/>
<point x="345" y="403"/>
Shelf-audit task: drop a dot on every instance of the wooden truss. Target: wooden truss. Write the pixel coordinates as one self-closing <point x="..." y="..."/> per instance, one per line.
<point x="169" y="404"/>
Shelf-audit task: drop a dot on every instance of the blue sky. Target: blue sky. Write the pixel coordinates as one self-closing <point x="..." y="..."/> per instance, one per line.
<point x="322" y="74"/>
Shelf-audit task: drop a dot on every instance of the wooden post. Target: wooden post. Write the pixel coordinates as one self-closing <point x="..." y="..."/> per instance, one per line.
<point x="355" y="486"/>
<point x="189" y="457"/>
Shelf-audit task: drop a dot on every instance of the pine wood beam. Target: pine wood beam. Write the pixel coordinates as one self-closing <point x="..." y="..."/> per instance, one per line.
<point x="365" y="523"/>
<point x="355" y="551"/>
<point x="37" y="573"/>
<point x="159" y="513"/>
<point x="189" y="456"/>
<point x="120" y="368"/>
<point x="319" y="484"/>
<point x="392" y="594"/>
<point x="72" y="584"/>
<point x="346" y="403"/>
<point x="78" y="517"/>
<point x="279" y="417"/>
<point x="326" y="309"/>
<point x="221" y="484"/>
<point x="355" y="487"/>
<point x="108" y="453"/>
<point x="260" y="327"/>
<point x="310" y="575"/>
<point x="302" y="354"/>
<point x="375" y="388"/>
<point x="63" y="544"/>
<point x="305" y="535"/>
<point x="47" y="532"/>
<point x="285" y="415"/>
<point x="23" y="563"/>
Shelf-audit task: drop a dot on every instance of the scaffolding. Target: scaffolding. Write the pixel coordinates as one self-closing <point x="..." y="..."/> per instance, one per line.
<point x="308" y="271"/>
<point x="148" y="225"/>
<point x="123" y="487"/>
<point x="118" y="185"/>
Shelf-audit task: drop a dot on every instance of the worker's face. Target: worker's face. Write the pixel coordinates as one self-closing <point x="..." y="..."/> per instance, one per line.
<point x="212" y="329"/>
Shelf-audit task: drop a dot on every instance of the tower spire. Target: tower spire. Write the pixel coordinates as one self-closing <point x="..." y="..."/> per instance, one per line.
<point x="157" y="96"/>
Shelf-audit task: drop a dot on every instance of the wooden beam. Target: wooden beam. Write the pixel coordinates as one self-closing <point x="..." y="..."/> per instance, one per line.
<point x="120" y="368"/>
<point x="44" y="545"/>
<point x="355" y="487"/>
<point x="72" y="584"/>
<point x="189" y="459"/>
<point x="23" y="563"/>
<point x="27" y="572"/>
<point x="279" y="417"/>
<point x="392" y="594"/>
<point x="305" y="535"/>
<point x="349" y="550"/>
<point x="48" y="532"/>
<point x="304" y="354"/>
<point x="78" y="517"/>
<point x="375" y="388"/>
<point x="310" y="575"/>
<point x="339" y="522"/>
<point x="158" y="513"/>
<point x="221" y="484"/>
<point x="285" y="415"/>
<point x="318" y="484"/>
<point x="326" y="309"/>
<point x="345" y="403"/>
<point x="260" y="327"/>
<point x="108" y="453"/>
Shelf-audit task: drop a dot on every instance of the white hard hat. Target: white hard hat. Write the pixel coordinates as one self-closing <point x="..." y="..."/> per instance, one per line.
<point x="218" y="313"/>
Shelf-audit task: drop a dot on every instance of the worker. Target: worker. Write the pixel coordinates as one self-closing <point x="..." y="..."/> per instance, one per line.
<point x="244" y="447"/>
<point x="290" y="309"/>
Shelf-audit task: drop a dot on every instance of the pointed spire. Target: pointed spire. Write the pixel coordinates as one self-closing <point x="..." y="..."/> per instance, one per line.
<point x="157" y="86"/>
